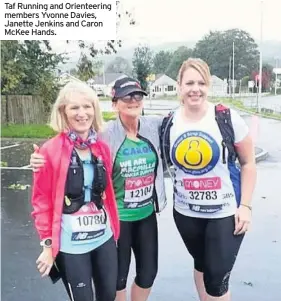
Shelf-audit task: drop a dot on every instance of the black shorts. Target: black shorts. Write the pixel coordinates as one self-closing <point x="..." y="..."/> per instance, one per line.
<point x="99" y="265"/>
<point x="141" y="237"/>
<point x="213" y="247"/>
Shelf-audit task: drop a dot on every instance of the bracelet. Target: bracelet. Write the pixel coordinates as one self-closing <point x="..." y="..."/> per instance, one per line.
<point x="249" y="207"/>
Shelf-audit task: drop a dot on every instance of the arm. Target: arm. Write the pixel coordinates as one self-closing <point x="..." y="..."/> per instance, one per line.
<point x="42" y="199"/>
<point x="246" y="157"/>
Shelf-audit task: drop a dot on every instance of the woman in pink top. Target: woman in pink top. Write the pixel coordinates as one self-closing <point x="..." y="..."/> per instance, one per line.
<point x="73" y="201"/>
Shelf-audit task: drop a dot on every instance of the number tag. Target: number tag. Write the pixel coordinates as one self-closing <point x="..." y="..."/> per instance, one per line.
<point x="87" y="222"/>
<point x="138" y="191"/>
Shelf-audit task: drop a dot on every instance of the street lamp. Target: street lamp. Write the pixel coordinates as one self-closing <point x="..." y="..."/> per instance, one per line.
<point x="260" y="69"/>
<point x="275" y="86"/>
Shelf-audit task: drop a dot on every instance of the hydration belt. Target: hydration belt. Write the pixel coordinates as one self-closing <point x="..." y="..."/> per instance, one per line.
<point x="75" y="189"/>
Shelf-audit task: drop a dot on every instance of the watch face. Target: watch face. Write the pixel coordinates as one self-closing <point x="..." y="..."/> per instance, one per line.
<point x="48" y="242"/>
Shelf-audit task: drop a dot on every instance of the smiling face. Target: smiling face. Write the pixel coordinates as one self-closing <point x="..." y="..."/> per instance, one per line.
<point x="193" y="88"/>
<point x="79" y="113"/>
<point x="130" y="105"/>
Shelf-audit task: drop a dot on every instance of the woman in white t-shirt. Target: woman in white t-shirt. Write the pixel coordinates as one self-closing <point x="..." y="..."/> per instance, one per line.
<point x="212" y="195"/>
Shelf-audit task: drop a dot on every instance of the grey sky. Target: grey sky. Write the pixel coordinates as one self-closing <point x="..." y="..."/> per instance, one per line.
<point x="159" y="21"/>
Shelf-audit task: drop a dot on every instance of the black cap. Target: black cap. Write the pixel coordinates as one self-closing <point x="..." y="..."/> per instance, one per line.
<point x="126" y="86"/>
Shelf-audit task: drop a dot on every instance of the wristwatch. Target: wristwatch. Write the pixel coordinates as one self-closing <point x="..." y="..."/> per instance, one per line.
<point x="47" y="243"/>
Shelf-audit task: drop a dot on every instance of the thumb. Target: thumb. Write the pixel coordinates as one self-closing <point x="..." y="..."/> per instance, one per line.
<point x="236" y="217"/>
<point x="35" y="148"/>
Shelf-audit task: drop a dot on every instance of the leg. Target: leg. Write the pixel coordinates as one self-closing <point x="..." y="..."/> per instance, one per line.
<point x="192" y="233"/>
<point x="145" y="247"/>
<point x="124" y="245"/>
<point x="221" y="250"/>
<point x="76" y="273"/>
<point x="104" y="266"/>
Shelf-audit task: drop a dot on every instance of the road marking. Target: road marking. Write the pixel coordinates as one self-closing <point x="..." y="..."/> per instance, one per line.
<point x="16" y="168"/>
<point x="9" y="146"/>
<point x="26" y="166"/>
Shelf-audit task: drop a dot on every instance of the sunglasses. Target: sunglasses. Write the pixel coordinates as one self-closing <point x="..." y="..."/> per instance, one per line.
<point x="130" y="97"/>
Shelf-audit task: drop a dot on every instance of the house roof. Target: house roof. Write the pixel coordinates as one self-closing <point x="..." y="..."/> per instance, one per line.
<point x="163" y="79"/>
<point x="215" y="79"/>
<point x="108" y="78"/>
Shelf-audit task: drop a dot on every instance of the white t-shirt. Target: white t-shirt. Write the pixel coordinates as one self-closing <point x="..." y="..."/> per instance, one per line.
<point x="203" y="185"/>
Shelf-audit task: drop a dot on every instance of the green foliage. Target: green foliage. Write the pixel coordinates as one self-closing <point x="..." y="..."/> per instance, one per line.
<point x="87" y="68"/>
<point x="216" y="49"/>
<point x="161" y="61"/>
<point x="245" y="81"/>
<point x="142" y="64"/>
<point x="27" y="68"/>
<point x="179" y="56"/>
<point x="119" y="65"/>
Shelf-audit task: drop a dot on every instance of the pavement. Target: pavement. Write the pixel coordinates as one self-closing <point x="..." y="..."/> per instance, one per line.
<point x="256" y="275"/>
<point x="271" y="102"/>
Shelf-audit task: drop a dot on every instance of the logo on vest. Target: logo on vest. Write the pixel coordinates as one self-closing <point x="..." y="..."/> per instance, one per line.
<point x="195" y="152"/>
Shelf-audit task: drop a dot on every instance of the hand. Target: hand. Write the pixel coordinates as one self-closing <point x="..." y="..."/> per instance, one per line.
<point x="45" y="262"/>
<point x="243" y="218"/>
<point x="36" y="160"/>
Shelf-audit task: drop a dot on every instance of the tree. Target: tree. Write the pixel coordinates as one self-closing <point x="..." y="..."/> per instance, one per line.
<point x="87" y="68"/>
<point x="216" y="49"/>
<point x="11" y="66"/>
<point x="142" y="64"/>
<point x="110" y="46"/>
<point x="161" y="61"/>
<point x="26" y="65"/>
<point x="179" y="56"/>
<point x="119" y="65"/>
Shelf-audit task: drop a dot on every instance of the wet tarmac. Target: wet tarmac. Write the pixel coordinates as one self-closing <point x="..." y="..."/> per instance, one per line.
<point x="257" y="272"/>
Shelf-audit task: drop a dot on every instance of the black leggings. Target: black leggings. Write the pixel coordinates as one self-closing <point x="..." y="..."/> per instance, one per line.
<point x="78" y="270"/>
<point x="213" y="247"/>
<point x="142" y="237"/>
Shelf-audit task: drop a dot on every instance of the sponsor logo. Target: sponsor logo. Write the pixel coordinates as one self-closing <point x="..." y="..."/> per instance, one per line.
<point x="195" y="152"/>
<point x="213" y="183"/>
<point x="139" y="182"/>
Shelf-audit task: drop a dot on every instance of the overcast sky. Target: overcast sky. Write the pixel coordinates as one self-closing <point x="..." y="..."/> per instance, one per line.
<point x="159" y="21"/>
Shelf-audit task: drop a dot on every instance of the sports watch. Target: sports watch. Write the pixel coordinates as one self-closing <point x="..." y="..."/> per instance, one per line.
<point x="47" y="243"/>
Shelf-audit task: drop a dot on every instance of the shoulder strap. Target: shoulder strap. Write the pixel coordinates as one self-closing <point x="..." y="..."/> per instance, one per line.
<point x="165" y="139"/>
<point x="223" y="119"/>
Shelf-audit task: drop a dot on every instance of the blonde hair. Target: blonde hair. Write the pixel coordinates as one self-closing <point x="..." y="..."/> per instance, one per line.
<point x="72" y="89"/>
<point x="197" y="64"/>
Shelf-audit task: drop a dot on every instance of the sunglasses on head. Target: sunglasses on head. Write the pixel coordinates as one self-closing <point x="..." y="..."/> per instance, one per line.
<point x="136" y="96"/>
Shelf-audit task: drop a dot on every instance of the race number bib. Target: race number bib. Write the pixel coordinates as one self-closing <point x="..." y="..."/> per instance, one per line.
<point x="88" y="223"/>
<point x="139" y="191"/>
<point x="201" y="194"/>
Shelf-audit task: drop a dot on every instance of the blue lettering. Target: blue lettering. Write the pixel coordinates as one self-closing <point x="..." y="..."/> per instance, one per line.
<point x="136" y="150"/>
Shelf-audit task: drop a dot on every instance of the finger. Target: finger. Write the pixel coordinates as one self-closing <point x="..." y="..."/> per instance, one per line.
<point x="47" y="271"/>
<point x="238" y="227"/>
<point x="40" y="265"/>
<point x="244" y="228"/>
<point x="42" y="269"/>
<point x="35" y="148"/>
<point x="236" y="223"/>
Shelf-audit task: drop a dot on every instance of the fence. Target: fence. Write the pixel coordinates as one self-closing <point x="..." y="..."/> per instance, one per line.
<point x="22" y="109"/>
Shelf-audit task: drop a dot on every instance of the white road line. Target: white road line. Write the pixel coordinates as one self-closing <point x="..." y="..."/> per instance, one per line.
<point x="16" y="168"/>
<point x="25" y="167"/>
<point x="9" y="146"/>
